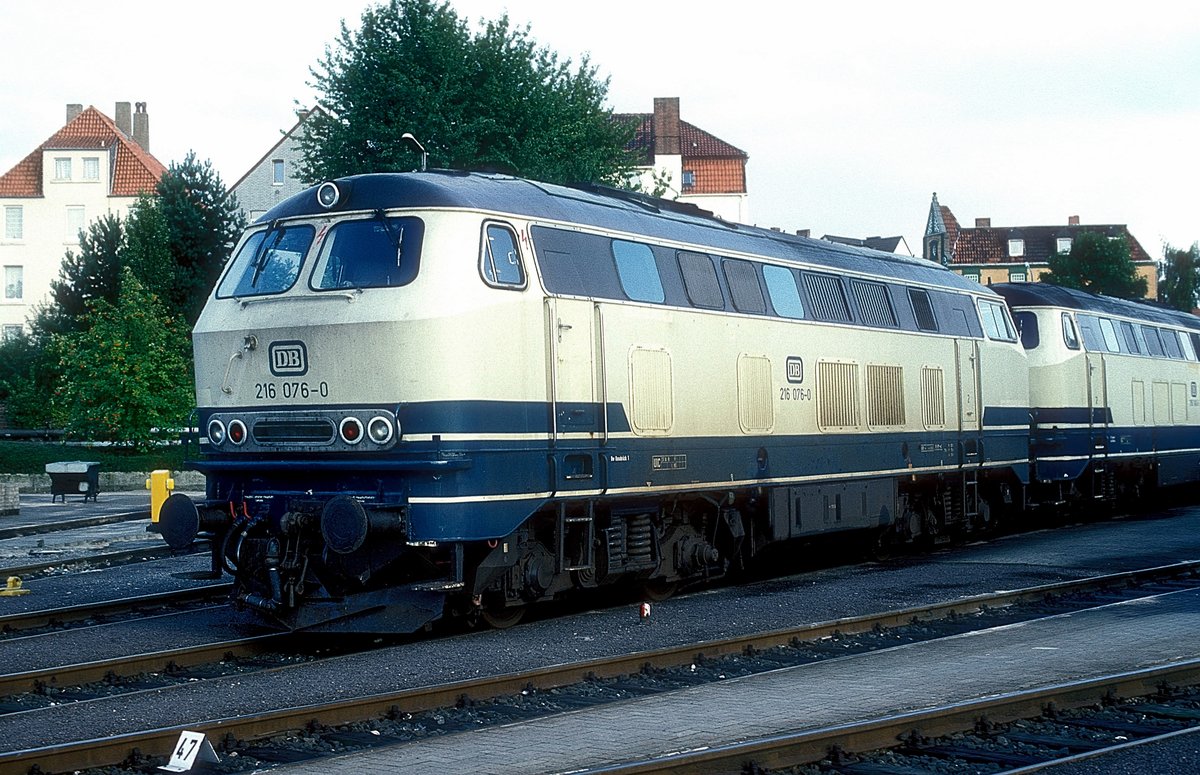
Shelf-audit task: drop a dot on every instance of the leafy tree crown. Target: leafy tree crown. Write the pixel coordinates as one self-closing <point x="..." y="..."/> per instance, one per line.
<point x="488" y="100"/>
<point x="1097" y="264"/>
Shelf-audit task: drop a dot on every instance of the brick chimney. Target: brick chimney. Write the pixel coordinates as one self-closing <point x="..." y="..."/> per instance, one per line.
<point x="141" y="126"/>
<point x="666" y="126"/>
<point x="73" y="110"/>
<point x="983" y="223"/>
<point x="1073" y="220"/>
<point x="122" y="118"/>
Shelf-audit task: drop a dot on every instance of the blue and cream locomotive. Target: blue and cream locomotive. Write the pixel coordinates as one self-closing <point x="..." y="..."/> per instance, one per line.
<point x="448" y="393"/>
<point x="1113" y="393"/>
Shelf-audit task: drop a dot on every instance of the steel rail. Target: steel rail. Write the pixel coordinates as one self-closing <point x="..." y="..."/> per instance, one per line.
<point x="159" y="742"/>
<point x="123" y="557"/>
<point x="42" y="528"/>
<point x="28" y="620"/>
<point x="148" y="662"/>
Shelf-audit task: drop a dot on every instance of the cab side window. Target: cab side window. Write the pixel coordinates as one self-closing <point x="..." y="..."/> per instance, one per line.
<point x="995" y="321"/>
<point x="499" y="260"/>
<point x="1027" y="327"/>
<point x="1070" y="338"/>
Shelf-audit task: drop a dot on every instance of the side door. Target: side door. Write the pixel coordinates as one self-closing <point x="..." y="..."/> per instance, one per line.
<point x="1098" y="411"/>
<point x="967" y="358"/>
<point x="577" y="420"/>
<point x="969" y="401"/>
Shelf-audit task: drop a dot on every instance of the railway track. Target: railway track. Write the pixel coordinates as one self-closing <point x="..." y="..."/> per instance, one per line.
<point x="1049" y="734"/>
<point x="58" y="526"/>
<point x="769" y="649"/>
<point x="141" y="605"/>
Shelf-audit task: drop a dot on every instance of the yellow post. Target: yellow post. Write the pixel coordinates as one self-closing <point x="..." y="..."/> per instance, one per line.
<point x="160" y="485"/>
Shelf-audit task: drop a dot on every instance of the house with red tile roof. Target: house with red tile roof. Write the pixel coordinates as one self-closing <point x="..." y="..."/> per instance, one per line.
<point x="695" y="166"/>
<point x="92" y="166"/>
<point x="1001" y="254"/>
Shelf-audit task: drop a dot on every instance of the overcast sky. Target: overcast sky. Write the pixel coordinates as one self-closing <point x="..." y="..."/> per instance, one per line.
<point x="852" y="114"/>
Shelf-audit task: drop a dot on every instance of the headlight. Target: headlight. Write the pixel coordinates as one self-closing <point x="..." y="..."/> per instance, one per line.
<point x="351" y="430"/>
<point x="328" y="195"/>
<point x="380" y="429"/>
<point x="216" y="432"/>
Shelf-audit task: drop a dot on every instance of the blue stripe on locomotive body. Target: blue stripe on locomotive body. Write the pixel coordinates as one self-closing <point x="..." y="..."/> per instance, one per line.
<point x="475" y="481"/>
<point x="1107" y="399"/>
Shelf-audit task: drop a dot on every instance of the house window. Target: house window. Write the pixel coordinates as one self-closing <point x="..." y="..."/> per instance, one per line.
<point x="74" y="222"/>
<point x="14" y="222"/>
<point x="1063" y="245"/>
<point x="277" y="172"/>
<point x="14" y="283"/>
<point x="689" y="179"/>
<point x="11" y="332"/>
<point x="62" y="169"/>
<point x="1016" y="277"/>
<point x="973" y="276"/>
<point x="1016" y="247"/>
<point x="91" y="168"/>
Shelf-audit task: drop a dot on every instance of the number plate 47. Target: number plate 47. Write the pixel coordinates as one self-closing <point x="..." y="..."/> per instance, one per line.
<point x="192" y="747"/>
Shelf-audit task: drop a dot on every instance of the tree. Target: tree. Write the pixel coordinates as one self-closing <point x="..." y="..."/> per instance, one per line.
<point x="202" y="221"/>
<point x="492" y="100"/>
<point x="28" y="380"/>
<point x="1097" y="264"/>
<point x="1180" y="280"/>
<point x="93" y="273"/>
<point x="121" y="372"/>
<point x="148" y="247"/>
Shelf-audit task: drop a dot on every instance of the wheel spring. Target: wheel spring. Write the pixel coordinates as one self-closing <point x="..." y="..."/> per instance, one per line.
<point x="639" y="539"/>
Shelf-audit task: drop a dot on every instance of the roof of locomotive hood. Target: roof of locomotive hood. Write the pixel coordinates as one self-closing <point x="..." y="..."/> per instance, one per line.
<point x="1048" y="295"/>
<point x="606" y="208"/>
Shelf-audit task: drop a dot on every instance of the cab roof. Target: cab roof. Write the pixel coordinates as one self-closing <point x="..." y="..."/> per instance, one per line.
<point x="1047" y="295"/>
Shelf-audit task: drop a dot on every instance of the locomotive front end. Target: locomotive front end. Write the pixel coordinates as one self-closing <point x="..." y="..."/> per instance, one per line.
<point x="304" y="355"/>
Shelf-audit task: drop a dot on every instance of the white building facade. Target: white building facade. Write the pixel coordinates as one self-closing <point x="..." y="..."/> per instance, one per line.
<point x="91" y="167"/>
<point x="275" y="176"/>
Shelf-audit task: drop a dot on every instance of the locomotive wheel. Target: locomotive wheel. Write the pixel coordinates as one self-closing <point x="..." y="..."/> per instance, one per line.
<point x="500" y="618"/>
<point x="886" y="544"/>
<point x="657" y="590"/>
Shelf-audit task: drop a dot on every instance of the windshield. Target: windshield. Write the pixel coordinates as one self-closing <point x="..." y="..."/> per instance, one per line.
<point x="375" y="253"/>
<point x="268" y="262"/>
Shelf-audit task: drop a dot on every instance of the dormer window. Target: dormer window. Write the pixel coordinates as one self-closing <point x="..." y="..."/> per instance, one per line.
<point x="689" y="178"/>
<point x="1063" y="245"/>
<point x="1016" y="248"/>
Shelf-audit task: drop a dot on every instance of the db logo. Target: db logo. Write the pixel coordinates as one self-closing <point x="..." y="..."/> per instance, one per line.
<point x="288" y="359"/>
<point x="795" y="370"/>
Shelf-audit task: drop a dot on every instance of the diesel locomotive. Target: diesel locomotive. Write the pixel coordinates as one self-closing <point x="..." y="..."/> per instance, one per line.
<point x="457" y="394"/>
